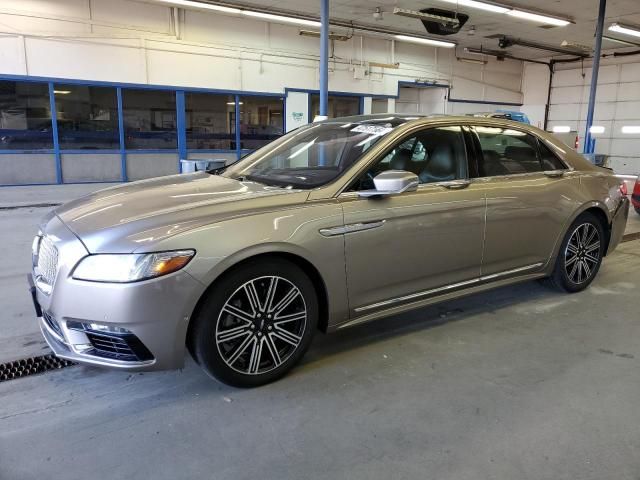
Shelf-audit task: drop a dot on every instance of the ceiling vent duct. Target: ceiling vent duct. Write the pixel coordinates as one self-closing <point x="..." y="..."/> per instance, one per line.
<point x="440" y="28"/>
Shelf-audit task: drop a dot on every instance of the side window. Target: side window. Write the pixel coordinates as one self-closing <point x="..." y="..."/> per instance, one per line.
<point x="434" y="155"/>
<point x="549" y="160"/>
<point x="506" y="152"/>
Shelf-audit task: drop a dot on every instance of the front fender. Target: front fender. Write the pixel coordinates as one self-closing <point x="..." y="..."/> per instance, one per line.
<point x="292" y="231"/>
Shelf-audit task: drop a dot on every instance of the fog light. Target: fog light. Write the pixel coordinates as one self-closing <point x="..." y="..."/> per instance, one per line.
<point x="96" y="327"/>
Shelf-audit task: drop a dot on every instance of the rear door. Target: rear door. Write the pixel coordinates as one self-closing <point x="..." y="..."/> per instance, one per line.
<point x="529" y="199"/>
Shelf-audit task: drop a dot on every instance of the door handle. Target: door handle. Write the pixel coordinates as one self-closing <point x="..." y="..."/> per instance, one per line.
<point x="456" y="184"/>
<point x="554" y="173"/>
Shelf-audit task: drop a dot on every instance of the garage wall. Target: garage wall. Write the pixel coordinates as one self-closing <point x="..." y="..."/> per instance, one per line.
<point x="617" y="105"/>
<point x="130" y="42"/>
<point x="135" y="42"/>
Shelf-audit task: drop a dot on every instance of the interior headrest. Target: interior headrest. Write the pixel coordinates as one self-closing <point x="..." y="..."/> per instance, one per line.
<point x="401" y="159"/>
<point x="441" y="160"/>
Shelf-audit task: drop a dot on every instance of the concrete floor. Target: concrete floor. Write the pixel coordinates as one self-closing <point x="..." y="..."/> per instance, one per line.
<point x="521" y="382"/>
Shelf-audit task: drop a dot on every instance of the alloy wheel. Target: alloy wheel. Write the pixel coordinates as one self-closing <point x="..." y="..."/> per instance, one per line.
<point x="582" y="255"/>
<point x="261" y="325"/>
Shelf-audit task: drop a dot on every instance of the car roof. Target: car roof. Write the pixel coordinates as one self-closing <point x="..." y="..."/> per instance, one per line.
<point x="398" y="119"/>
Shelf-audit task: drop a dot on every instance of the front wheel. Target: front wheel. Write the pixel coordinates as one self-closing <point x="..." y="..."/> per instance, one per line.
<point x="255" y="324"/>
<point x="580" y="255"/>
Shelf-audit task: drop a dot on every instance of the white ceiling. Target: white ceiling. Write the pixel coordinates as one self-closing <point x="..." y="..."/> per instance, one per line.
<point x="583" y="12"/>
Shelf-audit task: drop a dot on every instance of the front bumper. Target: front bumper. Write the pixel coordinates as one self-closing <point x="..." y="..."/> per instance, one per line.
<point x="133" y="326"/>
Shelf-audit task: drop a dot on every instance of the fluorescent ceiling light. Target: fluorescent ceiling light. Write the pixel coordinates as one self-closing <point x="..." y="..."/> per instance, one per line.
<point x="62" y="92"/>
<point x="332" y="36"/>
<point x="424" y="41"/>
<point x="281" y="18"/>
<point x="537" y="17"/>
<point x="233" y="103"/>
<point x="203" y="5"/>
<point x="596" y="129"/>
<point x="616" y="27"/>
<point x="404" y="12"/>
<point x="631" y="129"/>
<point x="561" y="129"/>
<point x="624" y="42"/>
<point x="499" y="8"/>
<point x="475" y="61"/>
<point x="489" y="7"/>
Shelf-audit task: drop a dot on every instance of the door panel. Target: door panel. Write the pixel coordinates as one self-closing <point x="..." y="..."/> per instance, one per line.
<point x="526" y="208"/>
<point x="525" y="218"/>
<point x="421" y="240"/>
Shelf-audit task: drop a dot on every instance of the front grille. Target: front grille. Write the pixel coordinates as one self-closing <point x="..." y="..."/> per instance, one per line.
<point x="53" y="324"/>
<point x="127" y="347"/>
<point x="47" y="261"/>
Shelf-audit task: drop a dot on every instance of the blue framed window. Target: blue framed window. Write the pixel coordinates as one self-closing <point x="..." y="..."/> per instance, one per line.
<point x="210" y="121"/>
<point x="150" y="119"/>
<point x="261" y="120"/>
<point x="25" y="116"/>
<point x="339" y="105"/>
<point x="87" y="117"/>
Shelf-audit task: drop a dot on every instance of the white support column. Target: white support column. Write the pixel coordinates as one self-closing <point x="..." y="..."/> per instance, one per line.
<point x="391" y="105"/>
<point x="366" y="105"/>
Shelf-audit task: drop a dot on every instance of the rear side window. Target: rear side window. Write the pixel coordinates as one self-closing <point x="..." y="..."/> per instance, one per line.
<point x="506" y="152"/>
<point x="548" y="159"/>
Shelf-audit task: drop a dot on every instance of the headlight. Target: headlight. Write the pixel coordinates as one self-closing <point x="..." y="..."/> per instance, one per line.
<point x="130" y="267"/>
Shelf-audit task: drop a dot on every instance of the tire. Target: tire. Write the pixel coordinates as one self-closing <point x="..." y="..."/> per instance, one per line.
<point x="255" y="324"/>
<point x="637" y="209"/>
<point x="573" y="272"/>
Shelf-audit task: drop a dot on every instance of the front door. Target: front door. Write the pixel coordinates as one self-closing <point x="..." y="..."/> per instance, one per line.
<point x="405" y="247"/>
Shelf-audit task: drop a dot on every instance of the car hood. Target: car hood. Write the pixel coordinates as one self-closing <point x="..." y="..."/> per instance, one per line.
<point x="135" y="216"/>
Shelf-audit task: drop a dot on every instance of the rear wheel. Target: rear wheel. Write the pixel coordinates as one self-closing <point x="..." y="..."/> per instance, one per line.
<point x="256" y="323"/>
<point x="580" y="255"/>
<point x="637" y="209"/>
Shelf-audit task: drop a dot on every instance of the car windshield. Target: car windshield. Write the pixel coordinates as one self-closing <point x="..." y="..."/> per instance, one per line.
<point x="313" y="155"/>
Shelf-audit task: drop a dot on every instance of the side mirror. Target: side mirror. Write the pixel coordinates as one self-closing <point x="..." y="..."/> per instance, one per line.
<point x="392" y="182"/>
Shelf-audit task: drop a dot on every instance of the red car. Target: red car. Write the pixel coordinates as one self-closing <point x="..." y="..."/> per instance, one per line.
<point x="635" y="196"/>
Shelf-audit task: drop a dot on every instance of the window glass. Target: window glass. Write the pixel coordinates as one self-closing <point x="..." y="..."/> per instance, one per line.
<point x="149" y="119"/>
<point x="435" y="155"/>
<point x="210" y="121"/>
<point x="87" y="116"/>
<point x="506" y="152"/>
<point x="25" y="116"/>
<point x="312" y="155"/>
<point x="549" y="160"/>
<point x="261" y="121"/>
<point x="339" y="106"/>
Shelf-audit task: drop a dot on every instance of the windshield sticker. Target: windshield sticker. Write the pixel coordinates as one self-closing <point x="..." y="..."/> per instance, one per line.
<point x="372" y="129"/>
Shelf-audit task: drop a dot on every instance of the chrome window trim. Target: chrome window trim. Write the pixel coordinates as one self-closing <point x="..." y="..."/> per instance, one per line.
<point x="421" y="188"/>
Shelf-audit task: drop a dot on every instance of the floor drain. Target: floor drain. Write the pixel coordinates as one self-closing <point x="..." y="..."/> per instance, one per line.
<point x="31" y="366"/>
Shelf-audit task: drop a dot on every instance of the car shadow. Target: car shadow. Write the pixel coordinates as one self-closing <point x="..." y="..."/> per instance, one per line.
<point x="433" y="316"/>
